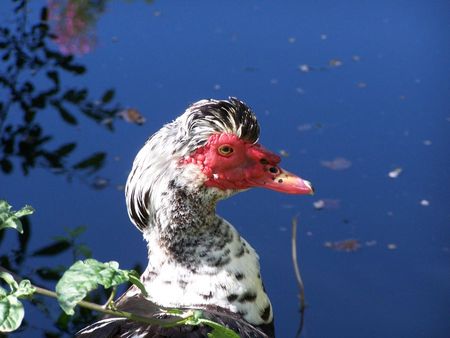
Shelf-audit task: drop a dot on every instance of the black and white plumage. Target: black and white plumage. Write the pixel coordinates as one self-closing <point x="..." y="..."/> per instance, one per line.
<point x="196" y="258"/>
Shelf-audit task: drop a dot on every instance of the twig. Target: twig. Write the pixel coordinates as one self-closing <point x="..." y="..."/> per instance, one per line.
<point x="181" y="319"/>
<point x="298" y="276"/>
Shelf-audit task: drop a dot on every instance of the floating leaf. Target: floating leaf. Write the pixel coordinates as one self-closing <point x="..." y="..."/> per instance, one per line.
<point x="339" y="163"/>
<point x="347" y="245"/>
<point x="132" y="115"/>
<point x="85" y="276"/>
<point x="10" y="219"/>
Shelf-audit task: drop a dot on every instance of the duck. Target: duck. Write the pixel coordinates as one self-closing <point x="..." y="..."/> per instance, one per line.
<point x="197" y="259"/>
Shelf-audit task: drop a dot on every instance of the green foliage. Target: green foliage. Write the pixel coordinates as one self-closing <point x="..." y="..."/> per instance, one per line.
<point x="11" y="313"/>
<point x="85" y="276"/>
<point x="76" y="282"/>
<point x="10" y="219"/>
<point x="219" y="331"/>
<point x="11" y="309"/>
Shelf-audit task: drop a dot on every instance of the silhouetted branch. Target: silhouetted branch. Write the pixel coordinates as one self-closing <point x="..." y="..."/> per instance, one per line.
<point x="298" y="276"/>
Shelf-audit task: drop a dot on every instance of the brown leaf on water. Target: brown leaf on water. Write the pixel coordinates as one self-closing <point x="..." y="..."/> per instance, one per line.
<point x="335" y="63"/>
<point x="339" y="163"/>
<point x="347" y="245"/>
<point x="132" y="115"/>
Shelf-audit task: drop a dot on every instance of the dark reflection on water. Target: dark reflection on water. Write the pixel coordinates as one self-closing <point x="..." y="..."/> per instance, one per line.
<point x="35" y="80"/>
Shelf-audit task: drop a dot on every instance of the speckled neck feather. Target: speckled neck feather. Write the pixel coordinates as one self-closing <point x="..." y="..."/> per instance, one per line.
<point x="197" y="258"/>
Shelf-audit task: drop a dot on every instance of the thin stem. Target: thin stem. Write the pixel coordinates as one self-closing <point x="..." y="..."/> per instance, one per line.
<point x="110" y="300"/>
<point x="116" y="313"/>
<point x="298" y="275"/>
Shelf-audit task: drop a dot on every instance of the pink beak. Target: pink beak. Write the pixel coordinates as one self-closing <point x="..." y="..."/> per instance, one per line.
<point x="285" y="182"/>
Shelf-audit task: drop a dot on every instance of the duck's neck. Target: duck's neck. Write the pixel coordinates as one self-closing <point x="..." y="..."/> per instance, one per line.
<point x="196" y="258"/>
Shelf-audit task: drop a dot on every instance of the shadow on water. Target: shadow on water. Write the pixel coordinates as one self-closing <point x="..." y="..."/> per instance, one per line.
<point x="28" y="61"/>
<point x="34" y="79"/>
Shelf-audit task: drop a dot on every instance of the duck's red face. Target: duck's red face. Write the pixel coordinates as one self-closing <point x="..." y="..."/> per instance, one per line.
<point x="231" y="163"/>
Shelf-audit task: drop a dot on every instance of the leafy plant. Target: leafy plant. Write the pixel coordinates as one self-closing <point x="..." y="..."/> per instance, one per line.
<point x="81" y="278"/>
<point x="10" y="219"/>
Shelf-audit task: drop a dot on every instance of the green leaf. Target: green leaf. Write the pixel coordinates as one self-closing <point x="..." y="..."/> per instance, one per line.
<point x="11" y="313"/>
<point x="85" y="276"/>
<point x="10" y="219"/>
<point x="18" y="290"/>
<point x="176" y="312"/>
<point x="134" y="278"/>
<point x="25" y="289"/>
<point x="9" y="279"/>
<point x="219" y="331"/>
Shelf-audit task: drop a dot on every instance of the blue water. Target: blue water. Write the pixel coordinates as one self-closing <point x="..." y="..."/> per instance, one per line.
<point x="382" y="104"/>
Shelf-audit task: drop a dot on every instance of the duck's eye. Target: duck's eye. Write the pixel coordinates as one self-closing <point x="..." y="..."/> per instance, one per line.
<point x="225" y="150"/>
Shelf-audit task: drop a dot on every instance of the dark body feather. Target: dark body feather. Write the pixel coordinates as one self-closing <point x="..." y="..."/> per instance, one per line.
<point x="137" y="304"/>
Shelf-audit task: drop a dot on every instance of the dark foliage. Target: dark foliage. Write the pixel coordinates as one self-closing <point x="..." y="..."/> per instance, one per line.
<point x="22" y="263"/>
<point x="28" y="61"/>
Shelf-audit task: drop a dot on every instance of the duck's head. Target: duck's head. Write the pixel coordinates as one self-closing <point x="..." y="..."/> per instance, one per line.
<point x="213" y="147"/>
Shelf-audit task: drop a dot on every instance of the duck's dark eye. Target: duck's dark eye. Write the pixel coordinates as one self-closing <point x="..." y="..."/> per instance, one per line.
<point x="274" y="170"/>
<point x="225" y="150"/>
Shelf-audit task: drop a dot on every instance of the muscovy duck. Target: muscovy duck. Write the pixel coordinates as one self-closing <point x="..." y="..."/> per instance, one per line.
<point x="197" y="259"/>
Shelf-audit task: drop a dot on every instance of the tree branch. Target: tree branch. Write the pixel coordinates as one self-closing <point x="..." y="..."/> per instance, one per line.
<point x="298" y="276"/>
